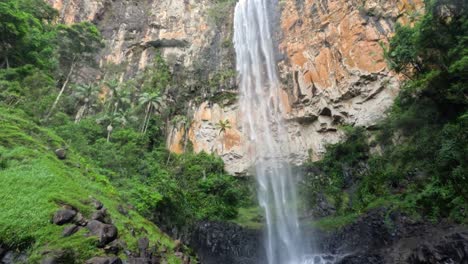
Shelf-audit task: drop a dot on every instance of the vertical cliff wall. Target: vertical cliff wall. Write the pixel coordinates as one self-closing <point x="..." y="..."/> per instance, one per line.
<point x="333" y="73"/>
<point x="329" y="54"/>
<point x="134" y="31"/>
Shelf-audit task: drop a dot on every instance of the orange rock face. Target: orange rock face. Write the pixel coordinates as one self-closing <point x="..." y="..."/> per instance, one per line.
<point x="334" y="73"/>
<point x="328" y="41"/>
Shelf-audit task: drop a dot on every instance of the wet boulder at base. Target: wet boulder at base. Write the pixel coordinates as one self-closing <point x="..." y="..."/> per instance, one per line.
<point x="63" y="216"/>
<point x="105" y="232"/>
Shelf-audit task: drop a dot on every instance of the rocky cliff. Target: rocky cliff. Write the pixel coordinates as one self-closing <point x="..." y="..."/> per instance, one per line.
<point x="376" y="237"/>
<point x="135" y="31"/>
<point x="333" y="73"/>
<point x="330" y="61"/>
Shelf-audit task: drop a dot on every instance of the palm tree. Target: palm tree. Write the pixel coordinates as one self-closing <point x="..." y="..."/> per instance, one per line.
<point x="114" y="118"/>
<point x="86" y="94"/>
<point x="152" y="101"/>
<point x="223" y="125"/>
<point x="119" y="96"/>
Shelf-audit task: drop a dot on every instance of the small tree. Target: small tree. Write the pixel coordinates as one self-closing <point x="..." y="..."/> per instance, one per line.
<point x="151" y="101"/>
<point x="119" y="97"/>
<point x="86" y="94"/>
<point x="112" y="119"/>
<point x="77" y="44"/>
<point x="223" y="125"/>
<point x="24" y="38"/>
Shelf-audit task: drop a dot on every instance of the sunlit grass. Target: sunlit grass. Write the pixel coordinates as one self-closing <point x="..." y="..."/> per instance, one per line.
<point x="34" y="184"/>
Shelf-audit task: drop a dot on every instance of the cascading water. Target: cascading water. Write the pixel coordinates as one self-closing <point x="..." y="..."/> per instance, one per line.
<point x="262" y="122"/>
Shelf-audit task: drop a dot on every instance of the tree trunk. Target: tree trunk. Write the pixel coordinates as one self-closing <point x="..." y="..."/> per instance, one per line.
<point x="142" y="130"/>
<point x="148" y="119"/>
<point x="109" y="131"/>
<point x="80" y="113"/>
<point x="54" y="105"/>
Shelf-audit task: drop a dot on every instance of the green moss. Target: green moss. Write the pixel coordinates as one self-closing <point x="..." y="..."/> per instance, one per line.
<point x="334" y="222"/>
<point x="250" y="217"/>
<point x="35" y="184"/>
<point x="224" y="98"/>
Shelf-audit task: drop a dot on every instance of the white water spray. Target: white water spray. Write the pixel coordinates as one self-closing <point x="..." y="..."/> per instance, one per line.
<point x="262" y="122"/>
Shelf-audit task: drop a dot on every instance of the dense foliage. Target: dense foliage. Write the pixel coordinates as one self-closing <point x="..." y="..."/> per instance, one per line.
<point x="422" y="165"/>
<point x="34" y="185"/>
<point x="117" y="127"/>
<point x="173" y="190"/>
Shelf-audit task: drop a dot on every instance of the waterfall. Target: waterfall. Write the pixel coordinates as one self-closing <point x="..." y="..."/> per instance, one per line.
<point x="262" y="115"/>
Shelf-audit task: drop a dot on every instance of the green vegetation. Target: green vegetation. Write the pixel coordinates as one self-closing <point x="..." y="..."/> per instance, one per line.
<point x="220" y="9"/>
<point x="114" y="133"/>
<point x="35" y="184"/>
<point x="250" y="217"/>
<point x="422" y="167"/>
<point x="334" y="222"/>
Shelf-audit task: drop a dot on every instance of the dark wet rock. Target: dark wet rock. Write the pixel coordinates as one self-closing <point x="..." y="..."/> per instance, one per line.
<point x="63" y="216"/>
<point x="58" y="257"/>
<point x="216" y="242"/>
<point x="101" y="216"/>
<point x="361" y="260"/>
<point x="165" y="43"/>
<point x="452" y="248"/>
<point x="104" y="260"/>
<point x="122" y="210"/>
<point x="70" y="230"/>
<point x="12" y="256"/>
<point x="150" y="258"/>
<point x="3" y="251"/>
<point x="105" y="232"/>
<point x="377" y="237"/>
<point x="392" y="237"/>
<point x="143" y="244"/>
<point x="80" y="220"/>
<point x="115" y="246"/>
<point x="61" y="153"/>
<point x="97" y="204"/>
<point x="49" y="260"/>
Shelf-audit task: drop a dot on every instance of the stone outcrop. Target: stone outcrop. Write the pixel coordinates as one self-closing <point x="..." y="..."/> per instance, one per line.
<point x="330" y="62"/>
<point x="134" y="31"/>
<point x="377" y="237"/>
<point x="216" y="242"/>
<point x="333" y="73"/>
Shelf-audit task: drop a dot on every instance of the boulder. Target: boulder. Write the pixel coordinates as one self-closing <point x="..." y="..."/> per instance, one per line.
<point x="452" y="248"/>
<point x="115" y="246"/>
<point x="3" y="250"/>
<point x="57" y="257"/>
<point x="49" y="260"/>
<point x="105" y="232"/>
<point x="61" y="153"/>
<point x="63" y="216"/>
<point x="97" y="204"/>
<point x="80" y="220"/>
<point x="104" y="260"/>
<point x="143" y="244"/>
<point x="70" y="230"/>
<point x="101" y="216"/>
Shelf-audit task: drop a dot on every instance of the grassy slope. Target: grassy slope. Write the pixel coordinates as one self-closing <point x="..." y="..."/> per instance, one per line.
<point x="34" y="183"/>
